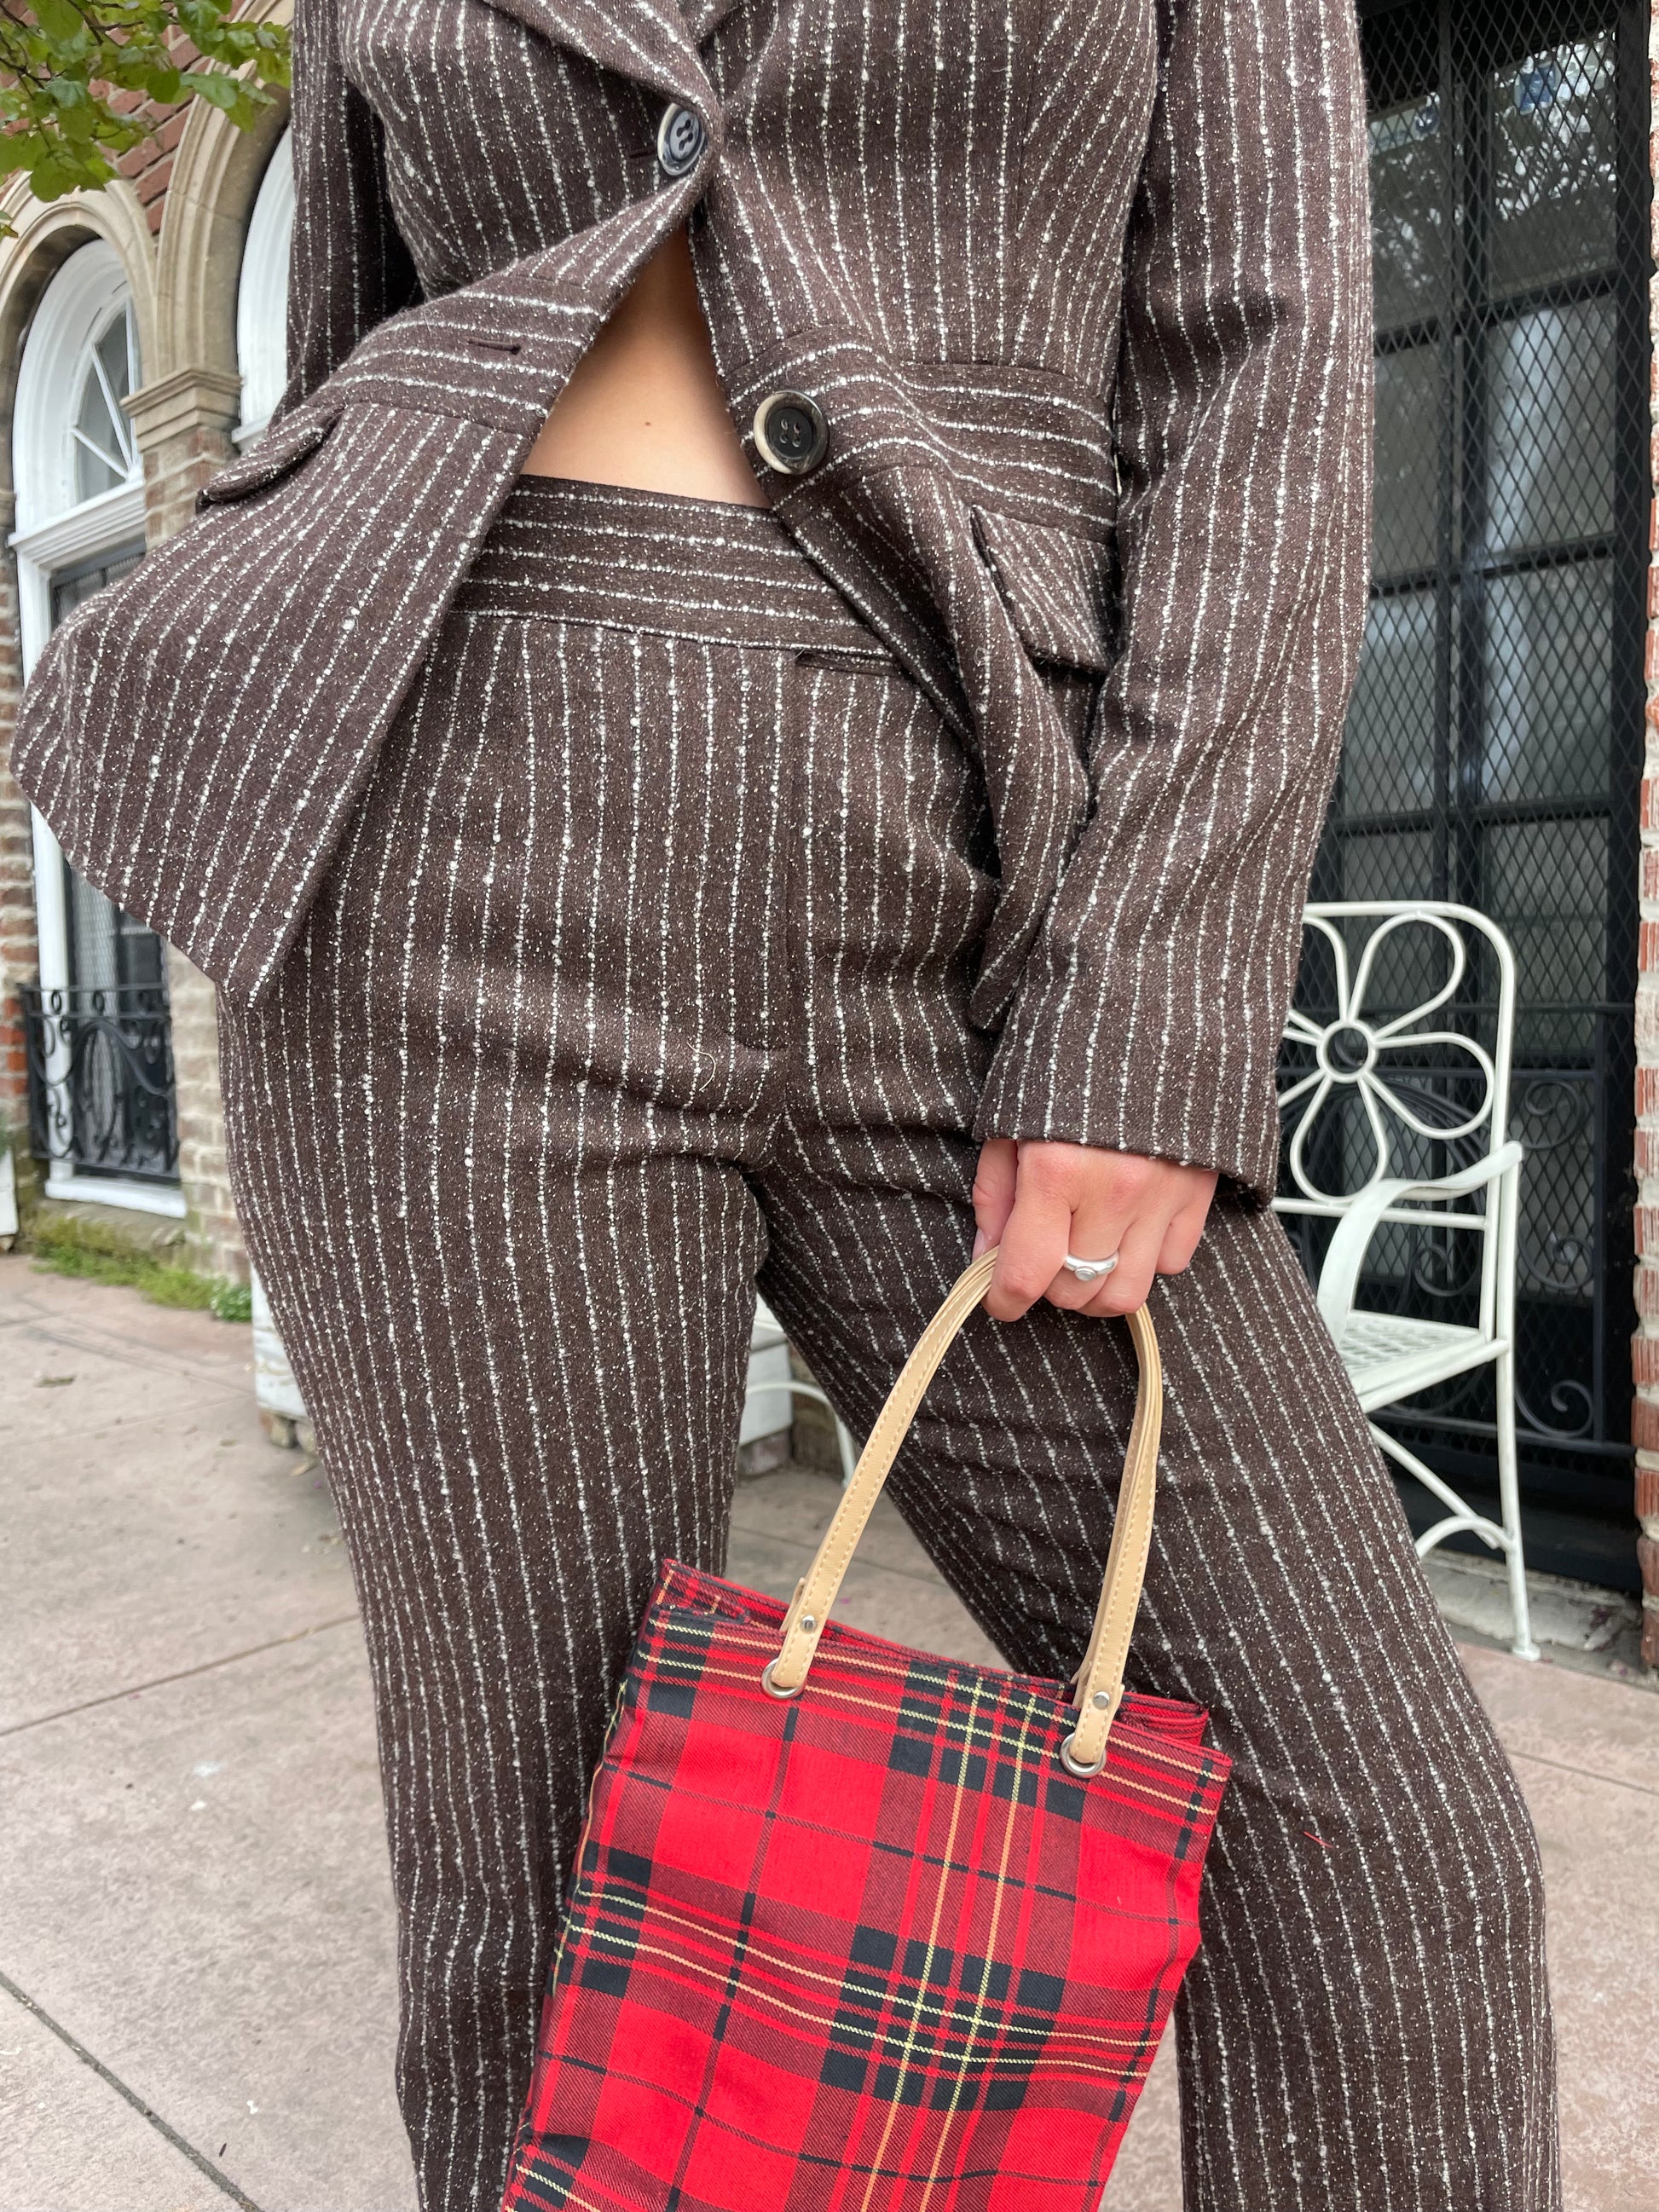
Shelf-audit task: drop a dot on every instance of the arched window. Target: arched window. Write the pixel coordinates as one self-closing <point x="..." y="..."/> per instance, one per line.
<point x="71" y="439"/>
<point x="262" y="294"/>
<point x="102" y="1099"/>
<point x="106" y="450"/>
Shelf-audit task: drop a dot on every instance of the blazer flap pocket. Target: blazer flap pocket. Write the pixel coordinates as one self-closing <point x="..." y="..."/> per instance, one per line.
<point x="283" y="447"/>
<point x="1056" y="584"/>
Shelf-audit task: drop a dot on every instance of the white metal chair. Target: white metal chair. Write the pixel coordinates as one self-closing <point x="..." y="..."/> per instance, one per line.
<point x="1351" y="1105"/>
<point x="764" y="1381"/>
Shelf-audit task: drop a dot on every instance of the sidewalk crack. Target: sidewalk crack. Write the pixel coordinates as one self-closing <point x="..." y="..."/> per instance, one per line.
<point x="183" y="1675"/>
<point x="203" y="2164"/>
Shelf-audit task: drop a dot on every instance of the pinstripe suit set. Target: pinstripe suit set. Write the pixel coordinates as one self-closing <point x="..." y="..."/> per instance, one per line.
<point x="619" y="897"/>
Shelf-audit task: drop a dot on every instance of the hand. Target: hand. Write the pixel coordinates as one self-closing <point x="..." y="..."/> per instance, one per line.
<point x="1041" y="1201"/>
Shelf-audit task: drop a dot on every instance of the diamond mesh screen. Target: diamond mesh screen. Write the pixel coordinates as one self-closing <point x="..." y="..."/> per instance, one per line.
<point x="1494" y="744"/>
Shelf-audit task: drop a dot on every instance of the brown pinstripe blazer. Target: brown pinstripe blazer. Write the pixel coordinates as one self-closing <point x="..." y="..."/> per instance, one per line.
<point x="1083" y="289"/>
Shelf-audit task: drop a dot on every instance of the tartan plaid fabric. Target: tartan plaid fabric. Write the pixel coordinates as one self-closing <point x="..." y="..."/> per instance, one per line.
<point x="873" y="1946"/>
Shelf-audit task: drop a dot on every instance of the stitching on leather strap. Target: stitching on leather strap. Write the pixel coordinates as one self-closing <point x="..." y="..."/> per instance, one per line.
<point x="1100" y="1677"/>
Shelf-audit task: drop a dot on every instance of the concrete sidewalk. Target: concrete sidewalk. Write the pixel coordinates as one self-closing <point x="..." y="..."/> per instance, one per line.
<point x="195" y="1944"/>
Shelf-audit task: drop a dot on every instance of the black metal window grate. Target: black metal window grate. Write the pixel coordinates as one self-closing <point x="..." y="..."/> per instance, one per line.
<point x="100" y="1081"/>
<point x="1494" y="747"/>
<point x="100" y="1076"/>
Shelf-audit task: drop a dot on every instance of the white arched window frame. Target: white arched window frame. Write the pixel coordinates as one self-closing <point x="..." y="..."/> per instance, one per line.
<point x="262" y="293"/>
<point x="80" y="487"/>
<point x="74" y="457"/>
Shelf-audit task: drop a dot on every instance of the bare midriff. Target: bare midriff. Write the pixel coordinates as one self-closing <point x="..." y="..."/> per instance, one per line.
<point x="645" y="406"/>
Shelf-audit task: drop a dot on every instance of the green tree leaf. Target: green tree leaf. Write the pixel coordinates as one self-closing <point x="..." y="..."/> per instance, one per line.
<point x="61" y="60"/>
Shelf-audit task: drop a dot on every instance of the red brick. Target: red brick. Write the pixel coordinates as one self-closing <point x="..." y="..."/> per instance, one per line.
<point x="1645" y="1424"/>
<point x="1647" y="1554"/>
<point x="154" y="181"/>
<point x="1647" y="1493"/>
<point x="1647" y="1091"/>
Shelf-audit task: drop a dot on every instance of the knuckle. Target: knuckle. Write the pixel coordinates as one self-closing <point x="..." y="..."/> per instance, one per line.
<point x="1047" y="1175"/>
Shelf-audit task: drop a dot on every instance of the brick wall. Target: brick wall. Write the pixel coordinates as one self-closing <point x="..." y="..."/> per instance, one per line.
<point x="148" y="166"/>
<point x="1644" y="1350"/>
<point x="213" y="1234"/>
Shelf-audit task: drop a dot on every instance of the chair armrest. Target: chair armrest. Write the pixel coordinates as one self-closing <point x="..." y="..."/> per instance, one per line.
<point x="1339" y="1278"/>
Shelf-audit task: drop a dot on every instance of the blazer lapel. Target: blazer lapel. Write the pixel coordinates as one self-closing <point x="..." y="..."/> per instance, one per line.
<point x="704" y="17"/>
<point x="645" y="39"/>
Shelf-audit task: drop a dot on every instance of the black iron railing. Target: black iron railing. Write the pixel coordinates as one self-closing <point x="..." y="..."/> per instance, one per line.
<point x="100" y="1081"/>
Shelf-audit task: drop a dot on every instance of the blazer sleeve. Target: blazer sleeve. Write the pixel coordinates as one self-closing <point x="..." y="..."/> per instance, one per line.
<point x="1149" y="1012"/>
<point x="348" y="267"/>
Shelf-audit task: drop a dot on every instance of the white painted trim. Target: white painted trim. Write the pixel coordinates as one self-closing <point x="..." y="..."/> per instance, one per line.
<point x="262" y="293"/>
<point x="92" y="528"/>
<point x="136" y="1197"/>
<point x="98" y="525"/>
<point x="76" y="308"/>
<point x="51" y="917"/>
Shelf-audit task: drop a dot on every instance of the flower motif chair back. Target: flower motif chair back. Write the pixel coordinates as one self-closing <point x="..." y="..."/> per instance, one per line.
<point x="1395" y="1067"/>
<point x="1400" y="1179"/>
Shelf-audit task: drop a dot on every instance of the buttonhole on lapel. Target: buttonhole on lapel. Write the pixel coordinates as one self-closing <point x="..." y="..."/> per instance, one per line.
<point x="494" y="345"/>
<point x="846" y="657"/>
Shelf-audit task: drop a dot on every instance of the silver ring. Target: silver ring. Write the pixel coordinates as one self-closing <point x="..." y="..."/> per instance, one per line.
<point x="1090" y="1271"/>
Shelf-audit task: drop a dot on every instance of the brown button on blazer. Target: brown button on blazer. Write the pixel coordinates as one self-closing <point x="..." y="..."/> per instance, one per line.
<point x="1083" y="292"/>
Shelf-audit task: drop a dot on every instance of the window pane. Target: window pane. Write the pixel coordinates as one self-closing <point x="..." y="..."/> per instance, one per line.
<point x="1387" y="759"/>
<point x="1554" y="147"/>
<point x="1408" y="212"/>
<point x="1410" y="477"/>
<point x="1546" y="883"/>
<point x="103" y="470"/>
<point x="1392" y="867"/>
<point x="71" y="586"/>
<point x="113" y="352"/>
<point x="1550" y="395"/>
<point x="1549" y="669"/>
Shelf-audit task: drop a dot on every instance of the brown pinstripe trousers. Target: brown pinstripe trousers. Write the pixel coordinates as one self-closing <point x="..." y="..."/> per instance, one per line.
<point x="639" y="980"/>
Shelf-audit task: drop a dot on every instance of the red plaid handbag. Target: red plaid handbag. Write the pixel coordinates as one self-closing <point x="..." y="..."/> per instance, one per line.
<point x="856" y="1929"/>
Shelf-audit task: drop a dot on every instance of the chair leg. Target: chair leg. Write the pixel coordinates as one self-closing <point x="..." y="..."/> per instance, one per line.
<point x="849" y="1450"/>
<point x="1509" y="1492"/>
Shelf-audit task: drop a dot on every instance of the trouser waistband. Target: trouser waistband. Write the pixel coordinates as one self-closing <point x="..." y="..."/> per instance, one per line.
<point x="565" y="550"/>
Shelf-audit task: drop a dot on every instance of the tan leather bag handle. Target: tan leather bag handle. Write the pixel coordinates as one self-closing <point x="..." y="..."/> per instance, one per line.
<point x="1098" y="1690"/>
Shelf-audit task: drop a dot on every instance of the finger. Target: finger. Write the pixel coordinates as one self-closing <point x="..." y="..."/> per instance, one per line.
<point x="994" y="1190"/>
<point x="1033" y="1246"/>
<point x="1130" y="1282"/>
<point x="1099" y="1225"/>
<point x="1181" y="1239"/>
